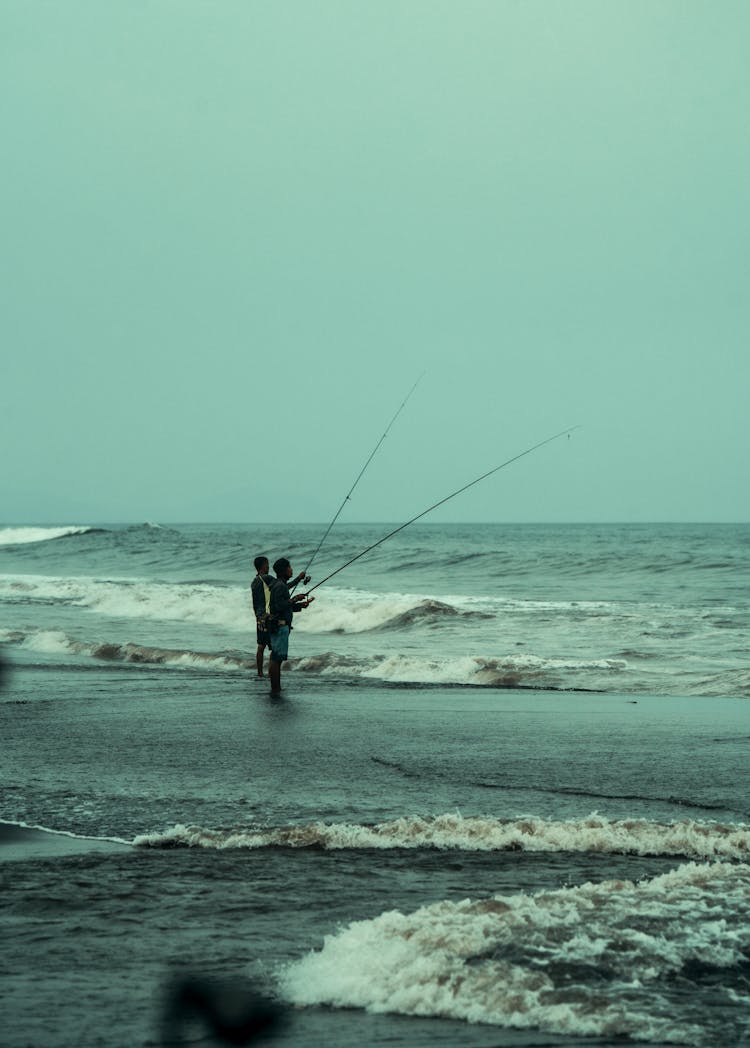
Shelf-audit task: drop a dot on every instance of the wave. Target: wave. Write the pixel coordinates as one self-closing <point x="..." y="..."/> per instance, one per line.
<point x="176" y="657"/>
<point x="228" y="607"/>
<point x="357" y="611"/>
<point x="512" y="671"/>
<point x="336" y="611"/>
<point x="428" y="611"/>
<point x="150" y="529"/>
<point x="453" y="832"/>
<point x="24" y="536"/>
<point x="56" y="642"/>
<point x="521" y="670"/>
<point x="517" y="671"/>
<point x="23" y="841"/>
<point x="581" y="961"/>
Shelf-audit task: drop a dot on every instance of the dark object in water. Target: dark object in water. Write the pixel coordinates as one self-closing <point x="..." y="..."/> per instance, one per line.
<point x="228" y="1009"/>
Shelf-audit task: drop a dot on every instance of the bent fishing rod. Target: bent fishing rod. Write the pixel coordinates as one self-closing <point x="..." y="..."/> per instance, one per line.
<point x="442" y="502"/>
<point x="359" y="477"/>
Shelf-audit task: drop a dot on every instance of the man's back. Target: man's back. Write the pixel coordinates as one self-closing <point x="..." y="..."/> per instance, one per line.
<point x="260" y="588"/>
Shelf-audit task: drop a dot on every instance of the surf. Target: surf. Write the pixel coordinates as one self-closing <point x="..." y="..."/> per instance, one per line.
<point x="28" y="535"/>
<point x="580" y="961"/>
<point x="684" y="838"/>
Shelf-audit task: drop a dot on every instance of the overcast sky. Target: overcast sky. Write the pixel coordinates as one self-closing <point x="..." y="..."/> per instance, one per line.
<point x="235" y="233"/>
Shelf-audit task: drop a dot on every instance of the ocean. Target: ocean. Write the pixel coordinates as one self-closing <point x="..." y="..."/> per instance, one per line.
<point x="501" y="801"/>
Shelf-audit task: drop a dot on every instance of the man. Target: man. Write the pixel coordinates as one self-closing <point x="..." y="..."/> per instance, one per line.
<point x="282" y="606"/>
<point x="260" y="588"/>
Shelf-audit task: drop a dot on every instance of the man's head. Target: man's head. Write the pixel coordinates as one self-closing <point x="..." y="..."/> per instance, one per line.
<point x="283" y="568"/>
<point x="261" y="565"/>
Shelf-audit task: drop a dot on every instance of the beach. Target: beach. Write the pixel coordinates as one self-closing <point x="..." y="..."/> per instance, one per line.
<point x="388" y="860"/>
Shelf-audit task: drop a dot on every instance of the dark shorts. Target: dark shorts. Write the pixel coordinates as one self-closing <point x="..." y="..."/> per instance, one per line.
<point x="264" y="638"/>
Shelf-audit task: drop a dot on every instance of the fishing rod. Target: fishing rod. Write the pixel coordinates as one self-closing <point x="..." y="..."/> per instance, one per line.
<point x="359" y="476"/>
<point x="447" y="498"/>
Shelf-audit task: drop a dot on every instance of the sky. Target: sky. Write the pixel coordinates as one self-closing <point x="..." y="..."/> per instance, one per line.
<point x="236" y="233"/>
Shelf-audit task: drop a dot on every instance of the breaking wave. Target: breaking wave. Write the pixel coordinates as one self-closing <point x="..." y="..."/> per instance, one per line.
<point x="453" y="832"/>
<point x="55" y="642"/>
<point x="227" y="606"/>
<point x="429" y="611"/>
<point x="511" y="671"/>
<point x="582" y="961"/>
<point x="415" y="640"/>
<point x="357" y="611"/>
<point x="23" y="536"/>
<point x="518" y="671"/>
<point x="224" y="606"/>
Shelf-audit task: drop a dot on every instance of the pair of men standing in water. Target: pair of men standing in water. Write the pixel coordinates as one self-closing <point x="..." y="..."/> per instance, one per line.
<point x="274" y="606"/>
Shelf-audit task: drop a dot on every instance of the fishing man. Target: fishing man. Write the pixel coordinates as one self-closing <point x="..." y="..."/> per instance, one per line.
<point x="282" y="606"/>
<point x="260" y="588"/>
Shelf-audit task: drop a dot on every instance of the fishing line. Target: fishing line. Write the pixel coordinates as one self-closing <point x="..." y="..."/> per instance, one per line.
<point x="360" y="474"/>
<point x="447" y="498"/>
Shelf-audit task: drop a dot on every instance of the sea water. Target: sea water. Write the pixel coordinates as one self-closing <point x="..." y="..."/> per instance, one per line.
<point x="503" y="799"/>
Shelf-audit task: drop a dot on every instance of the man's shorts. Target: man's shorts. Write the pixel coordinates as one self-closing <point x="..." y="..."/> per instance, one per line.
<point x="264" y="637"/>
<point x="280" y="644"/>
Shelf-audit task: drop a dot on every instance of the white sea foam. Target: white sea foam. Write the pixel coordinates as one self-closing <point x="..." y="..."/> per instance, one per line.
<point x="55" y="642"/>
<point x="450" y="832"/>
<point x="46" y="642"/>
<point x="226" y="606"/>
<point x="353" y="611"/>
<point x="510" y="671"/>
<point x="229" y="607"/>
<point x="516" y="960"/>
<point x="358" y="611"/>
<point x="395" y="638"/>
<point x="516" y="670"/>
<point x="21" y="536"/>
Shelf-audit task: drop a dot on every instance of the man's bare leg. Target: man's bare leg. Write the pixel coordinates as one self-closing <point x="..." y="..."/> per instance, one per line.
<point x="274" y="673"/>
<point x="259" y="658"/>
